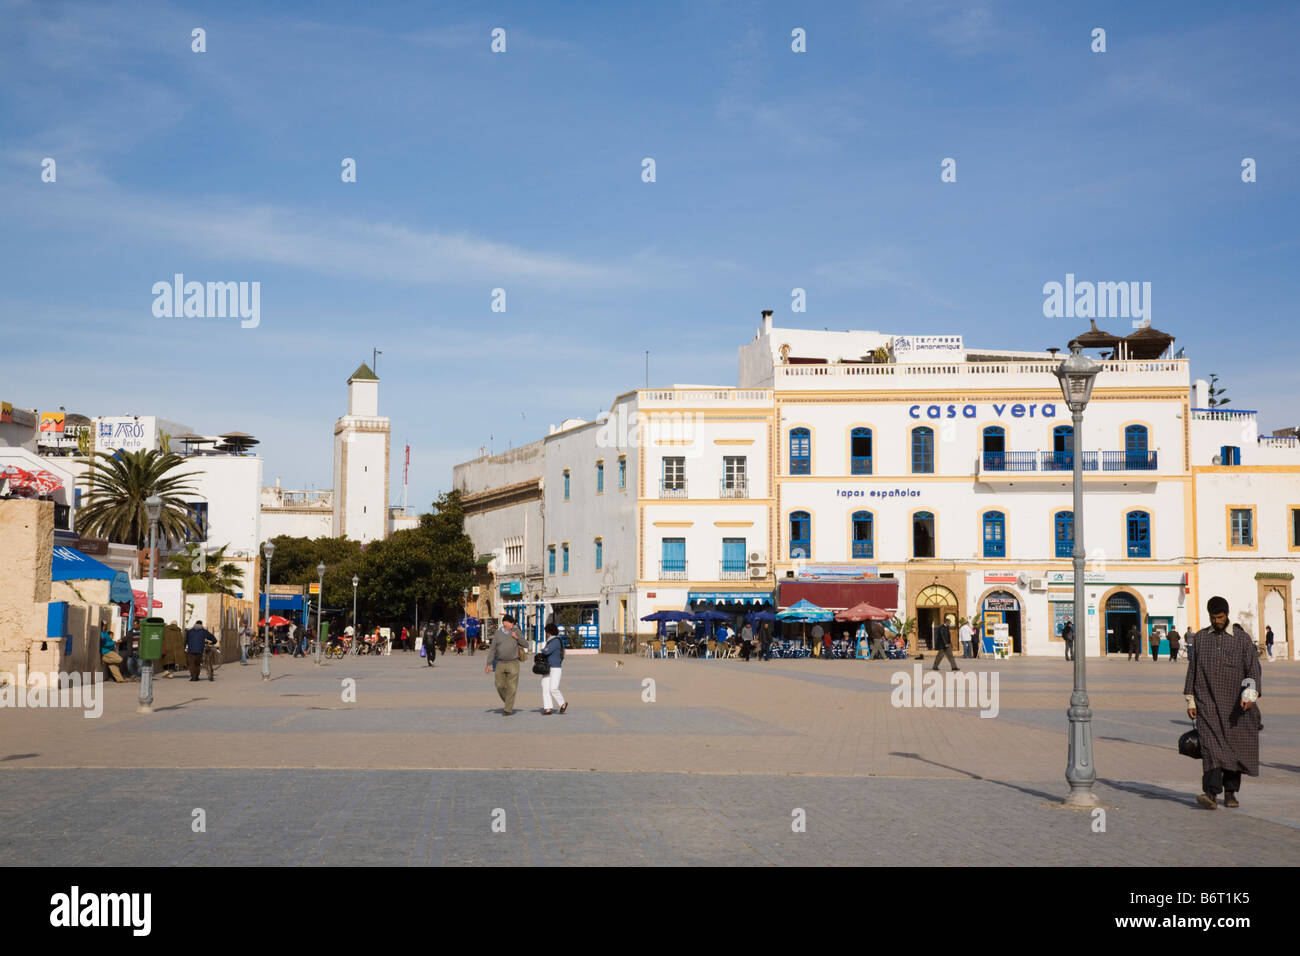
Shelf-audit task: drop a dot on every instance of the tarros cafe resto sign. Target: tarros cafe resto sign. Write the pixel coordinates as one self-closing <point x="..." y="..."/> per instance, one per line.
<point x="128" y="434"/>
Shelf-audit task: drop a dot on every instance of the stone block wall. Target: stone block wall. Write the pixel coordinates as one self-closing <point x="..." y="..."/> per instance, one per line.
<point x="26" y="550"/>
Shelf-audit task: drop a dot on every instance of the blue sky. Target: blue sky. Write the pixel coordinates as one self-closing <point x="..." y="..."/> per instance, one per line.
<point x="522" y="170"/>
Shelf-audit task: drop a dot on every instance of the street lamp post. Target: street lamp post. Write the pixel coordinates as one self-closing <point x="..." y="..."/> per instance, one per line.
<point x="320" y="607"/>
<point x="153" y="509"/>
<point x="356" y="630"/>
<point x="268" y="549"/>
<point x="1076" y="375"/>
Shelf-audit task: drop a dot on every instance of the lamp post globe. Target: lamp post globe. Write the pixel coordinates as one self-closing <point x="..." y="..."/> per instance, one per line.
<point x="1076" y="375"/>
<point x="268" y="551"/>
<point x="153" y="506"/>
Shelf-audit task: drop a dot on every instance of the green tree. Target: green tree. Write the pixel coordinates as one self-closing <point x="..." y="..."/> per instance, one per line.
<point x="1216" y="396"/>
<point x="204" y="572"/>
<point x="117" y="486"/>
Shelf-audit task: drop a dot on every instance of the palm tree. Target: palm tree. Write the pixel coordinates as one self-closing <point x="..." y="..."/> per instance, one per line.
<point x="205" y="572"/>
<point x="117" y="486"/>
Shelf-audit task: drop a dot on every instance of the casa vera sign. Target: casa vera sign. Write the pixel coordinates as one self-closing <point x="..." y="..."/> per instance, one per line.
<point x="999" y="409"/>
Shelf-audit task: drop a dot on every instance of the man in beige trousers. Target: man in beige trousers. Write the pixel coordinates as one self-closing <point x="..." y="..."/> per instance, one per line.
<point x="508" y="648"/>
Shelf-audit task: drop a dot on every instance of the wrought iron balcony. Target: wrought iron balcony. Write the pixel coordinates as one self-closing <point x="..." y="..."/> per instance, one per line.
<point x="863" y="549"/>
<point x="673" y="571"/>
<point x="732" y="571"/>
<point x="1009" y="461"/>
<point x="1128" y="461"/>
<point x="673" y="489"/>
<point x="733" y="488"/>
<point x="1064" y="461"/>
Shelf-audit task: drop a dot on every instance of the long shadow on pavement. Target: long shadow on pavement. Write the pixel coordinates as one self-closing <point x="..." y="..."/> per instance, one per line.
<point x="1055" y="798"/>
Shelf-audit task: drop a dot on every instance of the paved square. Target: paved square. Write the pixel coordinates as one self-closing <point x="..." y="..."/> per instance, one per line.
<point x="721" y="767"/>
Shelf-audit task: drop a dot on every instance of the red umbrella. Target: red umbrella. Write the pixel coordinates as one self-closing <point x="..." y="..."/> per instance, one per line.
<point x="141" y="598"/>
<point x="276" y="621"/>
<point x="863" y="612"/>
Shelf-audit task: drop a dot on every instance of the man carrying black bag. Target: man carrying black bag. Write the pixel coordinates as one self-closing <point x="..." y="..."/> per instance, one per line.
<point x="1222" y="686"/>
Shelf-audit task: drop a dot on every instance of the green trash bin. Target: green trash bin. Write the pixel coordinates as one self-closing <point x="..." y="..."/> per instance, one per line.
<point x="324" y="636"/>
<point x="151" y="638"/>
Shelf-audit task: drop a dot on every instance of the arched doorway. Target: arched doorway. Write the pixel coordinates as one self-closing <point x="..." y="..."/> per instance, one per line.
<point x="1122" y="611"/>
<point x="933" y="605"/>
<point x="1003" y="607"/>
<point x="1274" y="615"/>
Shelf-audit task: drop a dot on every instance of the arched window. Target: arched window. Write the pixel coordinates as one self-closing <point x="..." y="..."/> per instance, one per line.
<point x="995" y="448"/>
<point x="923" y="534"/>
<point x="800" y="451"/>
<point x="1062" y="458"/>
<point x="995" y="541"/>
<point x="923" y="450"/>
<point x="800" y="535"/>
<point x="864" y="545"/>
<point x="1139" y="534"/>
<point x="1136" y="454"/>
<point x="1063" y="523"/>
<point x="860" y="451"/>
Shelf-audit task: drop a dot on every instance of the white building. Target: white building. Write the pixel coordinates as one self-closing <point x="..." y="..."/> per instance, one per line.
<point x="920" y="475"/>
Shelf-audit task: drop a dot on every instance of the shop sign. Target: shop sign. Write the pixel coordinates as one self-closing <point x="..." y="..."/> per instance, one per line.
<point x="52" y="422"/>
<point x="1001" y="602"/>
<point x="1067" y="577"/>
<point x="927" y="348"/>
<point x="6" y="412"/>
<point x="877" y="493"/>
<point x="1001" y="577"/>
<point x="128" y="434"/>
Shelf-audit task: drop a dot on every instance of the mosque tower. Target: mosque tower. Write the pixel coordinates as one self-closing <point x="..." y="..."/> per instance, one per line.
<point x="361" y="455"/>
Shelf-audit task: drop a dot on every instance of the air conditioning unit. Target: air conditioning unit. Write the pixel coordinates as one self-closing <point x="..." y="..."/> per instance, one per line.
<point x="1038" y="584"/>
<point x="758" y="570"/>
<point x="758" y="557"/>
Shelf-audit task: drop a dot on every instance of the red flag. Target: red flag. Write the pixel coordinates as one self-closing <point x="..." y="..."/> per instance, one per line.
<point x="406" y="469"/>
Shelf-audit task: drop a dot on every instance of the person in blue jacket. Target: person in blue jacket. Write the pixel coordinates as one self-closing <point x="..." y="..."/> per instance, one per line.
<point x="554" y="651"/>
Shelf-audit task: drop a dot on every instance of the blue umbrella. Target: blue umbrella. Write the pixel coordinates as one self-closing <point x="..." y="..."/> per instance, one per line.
<point x="760" y="616"/>
<point x="805" y="610"/>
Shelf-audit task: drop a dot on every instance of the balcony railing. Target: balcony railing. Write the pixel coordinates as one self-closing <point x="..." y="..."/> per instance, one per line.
<point x="1128" y="461"/>
<point x="733" y="488"/>
<point x="732" y="571"/>
<point x="673" y="489"/>
<point x="860" y="465"/>
<point x="1064" y="461"/>
<point x="1009" y="461"/>
<point x="672" y="571"/>
<point x="862" y="549"/>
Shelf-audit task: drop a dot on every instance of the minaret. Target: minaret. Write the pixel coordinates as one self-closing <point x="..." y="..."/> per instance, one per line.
<point x="361" y="463"/>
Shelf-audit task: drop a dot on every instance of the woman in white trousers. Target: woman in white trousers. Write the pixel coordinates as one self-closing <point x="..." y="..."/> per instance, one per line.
<point x="554" y="651"/>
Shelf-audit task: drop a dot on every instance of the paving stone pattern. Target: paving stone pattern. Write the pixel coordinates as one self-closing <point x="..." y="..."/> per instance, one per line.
<point x="287" y="772"/>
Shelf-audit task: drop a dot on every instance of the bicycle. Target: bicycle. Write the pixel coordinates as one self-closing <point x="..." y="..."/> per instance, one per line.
<point x="335" y="650"/>
<point x="212" y="658"/>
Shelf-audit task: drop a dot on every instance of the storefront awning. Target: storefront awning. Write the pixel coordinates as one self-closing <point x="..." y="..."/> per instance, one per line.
<point x="69" y="564"/>
<point x="729" y="597"/>
<point x="840" y="595"/>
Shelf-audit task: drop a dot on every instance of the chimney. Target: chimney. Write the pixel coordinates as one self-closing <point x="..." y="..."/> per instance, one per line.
<point x="767" y="322"/>
<point x="1200" y="393"/>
